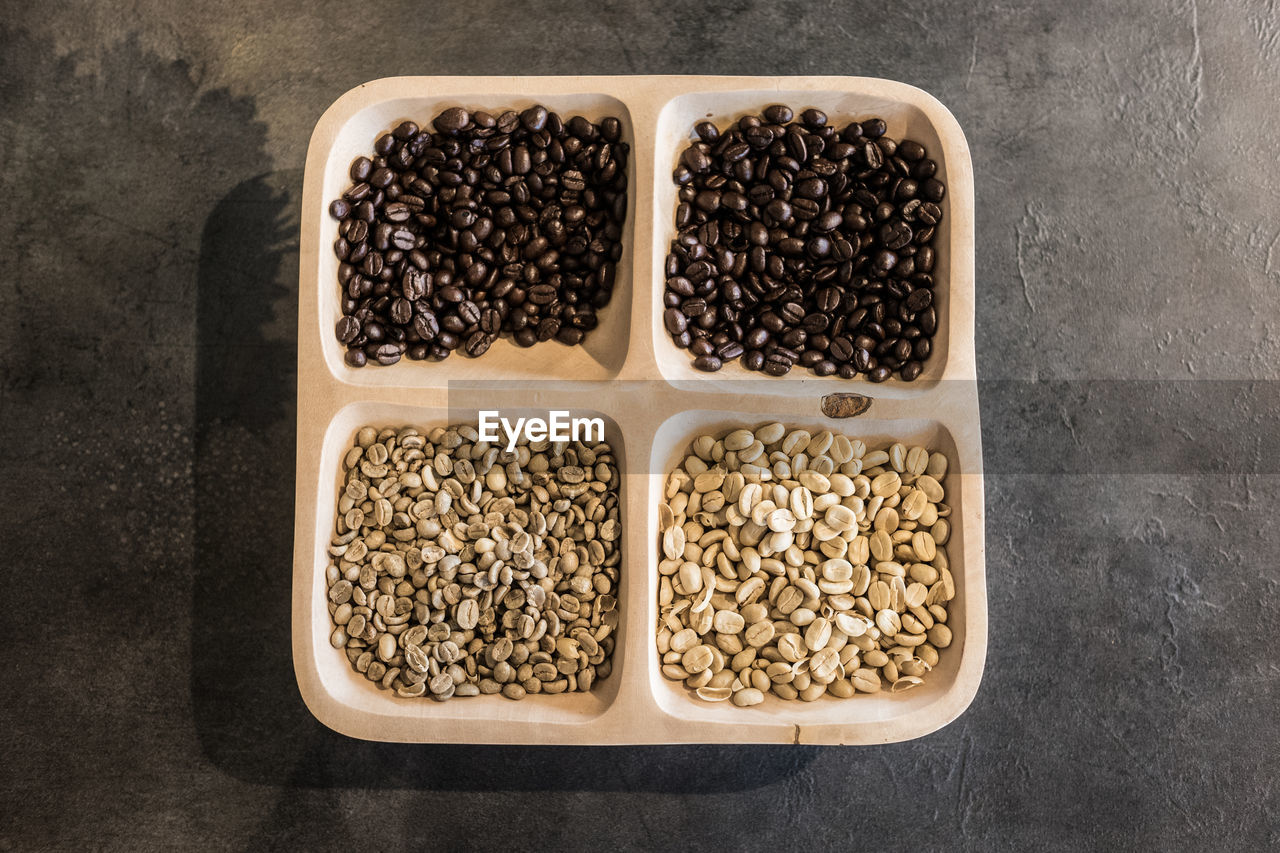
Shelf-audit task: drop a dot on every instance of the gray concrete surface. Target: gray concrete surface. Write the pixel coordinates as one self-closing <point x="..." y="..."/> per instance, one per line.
<point x="150" y="162"/>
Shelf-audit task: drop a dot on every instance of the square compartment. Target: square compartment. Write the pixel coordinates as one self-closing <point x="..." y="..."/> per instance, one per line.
<point x="348" y="130"/>
<point x="909" y="113"/>
<point x="346" y="701"/>
<point x="871" y="718"/>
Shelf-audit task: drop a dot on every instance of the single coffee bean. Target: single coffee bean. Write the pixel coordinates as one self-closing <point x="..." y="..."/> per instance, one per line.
<point x="477" y="344"/>
<point x="451" y="120"/>
<point x="348" y="329"/>
<point x="709" y="363"/>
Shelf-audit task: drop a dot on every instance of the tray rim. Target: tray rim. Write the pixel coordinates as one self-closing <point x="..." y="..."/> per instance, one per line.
<point x="322" y="396"/>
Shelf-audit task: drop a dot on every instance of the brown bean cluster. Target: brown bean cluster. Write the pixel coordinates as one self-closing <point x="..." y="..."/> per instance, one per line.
<point x="798" y="244"/>
<point x="488" y="225"/>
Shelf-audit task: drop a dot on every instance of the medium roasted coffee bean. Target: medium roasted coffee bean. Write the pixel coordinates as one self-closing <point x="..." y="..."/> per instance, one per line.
<point x="801" y="244"/>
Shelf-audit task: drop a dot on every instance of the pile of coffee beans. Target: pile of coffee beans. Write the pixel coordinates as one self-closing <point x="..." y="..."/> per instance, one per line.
<point x="801" y="244"/>
<point x="802" y="565"/>
<point x="459" y="569"/>
<point x="484" y="225"/>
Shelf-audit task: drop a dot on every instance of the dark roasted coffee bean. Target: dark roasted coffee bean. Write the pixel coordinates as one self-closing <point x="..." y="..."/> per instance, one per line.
<point x="695" y="159"/>
<point x="874" y="128"/>
<point x="695" y="307"/>
<point x="923" y="169"/>
<point x="841" y="349"/>
<point x="919" y="300"/>
<point x="348" y="329"/>
<point x="928" y="321"/>
<point x="469" y="313"/>
<point x="814" y="119"/>
<point x="361" y="169"/>
<point x="403" y="239"/>
<point x="895" y="234"/>
<point x="401" y="311"/>
<point x="910" y="150"/>
<point x="534" y="119"/>
<point x="548" y="328"/>
<point x="706" y="131"/>
<point x="674" y="320"/>
<point x="730" y="350"/>
<point x="708" y="363"/>
<point x="777" y="366"/>
<point x="451" y="120"/>
<point x="388" y="353"/>
<point x="477" y="344"/>
<point x="872" y="157"/>
<point x="569" y="335"/>
<point x="426" y="325"/>
<point x="777" y="114"/>
<point x="413" y="284"/>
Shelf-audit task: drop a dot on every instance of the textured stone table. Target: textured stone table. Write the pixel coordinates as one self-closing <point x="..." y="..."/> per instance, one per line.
<point x="1128" y="296"/>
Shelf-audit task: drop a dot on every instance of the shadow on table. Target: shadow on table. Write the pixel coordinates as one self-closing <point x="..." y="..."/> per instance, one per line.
<point x="251" y="720"/>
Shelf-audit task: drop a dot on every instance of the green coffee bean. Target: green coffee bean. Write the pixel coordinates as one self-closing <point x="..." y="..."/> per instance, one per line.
<point x="794" y="561"/>
<point x="440" y="574"/>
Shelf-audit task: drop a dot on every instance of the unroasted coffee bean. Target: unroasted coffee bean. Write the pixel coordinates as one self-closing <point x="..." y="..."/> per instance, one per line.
<point x="480" y="226"/>
<point x="510" y="588"/>
<point x="841" y="579"/>
<point x="802" y="244"/>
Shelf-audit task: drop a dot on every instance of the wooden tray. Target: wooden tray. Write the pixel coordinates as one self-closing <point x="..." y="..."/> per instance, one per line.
<point x="654" y="403"/>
